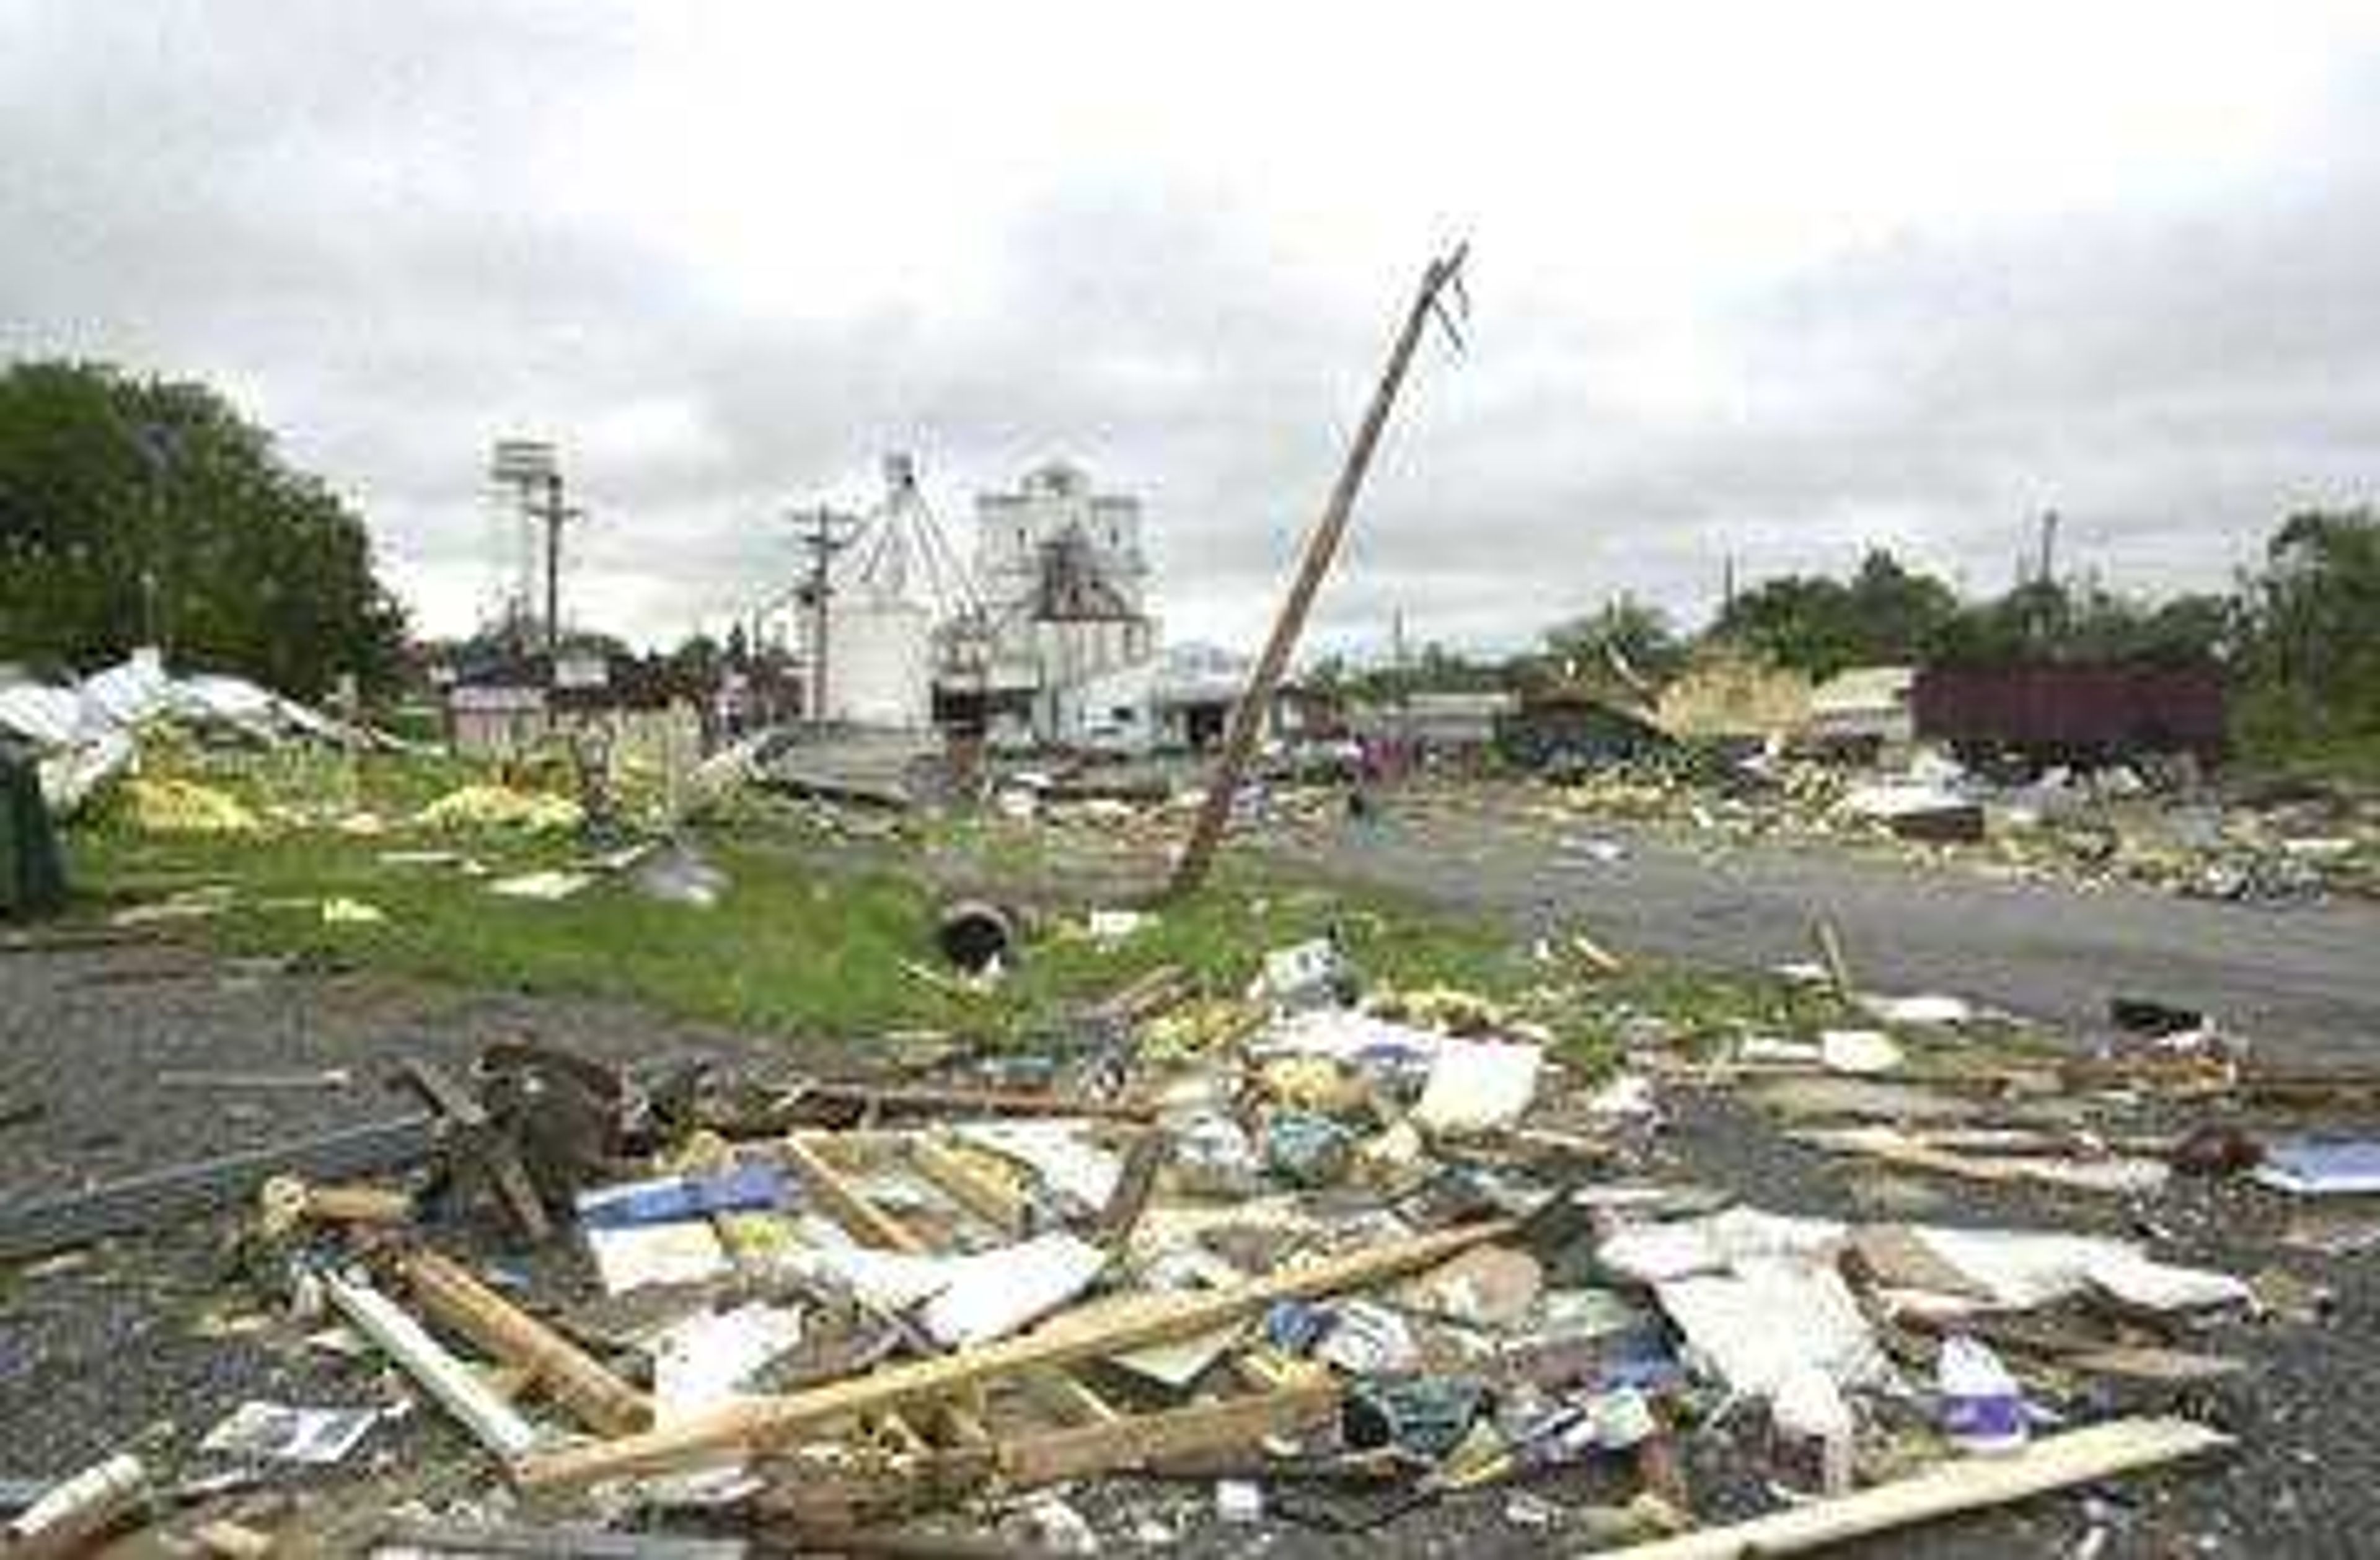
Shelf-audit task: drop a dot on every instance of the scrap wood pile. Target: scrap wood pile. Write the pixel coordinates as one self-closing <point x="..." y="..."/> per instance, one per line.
<point x="1304" y="1259"/>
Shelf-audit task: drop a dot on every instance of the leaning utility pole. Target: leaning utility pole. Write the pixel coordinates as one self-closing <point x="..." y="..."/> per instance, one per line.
<point x="823" y="534"/>
<point x="1247" y="715"/>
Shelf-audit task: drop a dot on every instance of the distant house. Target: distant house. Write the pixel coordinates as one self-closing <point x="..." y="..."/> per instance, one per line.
<point x="1863" y="708"/>
<point x="501" y="704"/>
<point x="1444" y="726"/>
<point x="1179" y="699"/>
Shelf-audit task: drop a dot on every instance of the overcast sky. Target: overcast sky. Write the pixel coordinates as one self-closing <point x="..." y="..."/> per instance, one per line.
<point x="1769" y="280"/>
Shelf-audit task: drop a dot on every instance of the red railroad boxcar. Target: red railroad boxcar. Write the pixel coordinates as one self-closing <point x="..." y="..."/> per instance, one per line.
<point x="2073" y="712"/>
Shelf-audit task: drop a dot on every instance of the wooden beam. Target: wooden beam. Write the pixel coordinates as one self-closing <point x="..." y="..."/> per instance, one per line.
<point x="452" y="1296"/>
<point x="352" y="1204"/>
<point x="846" y="1203"/>
<point x="1147" y="1440"/>
<point x="1142" y="1163"/>
<point x="1001" y="1206"/>
<point x="1071" y="1397"/>
<point x="853" y="1208"/>
<point x="1830" y="953"/>
<point x="1085" y="1333"/>
<point x="489" y="1418"/>
<point x="920" y="1099"/>
<point x="2078" y="1457"/>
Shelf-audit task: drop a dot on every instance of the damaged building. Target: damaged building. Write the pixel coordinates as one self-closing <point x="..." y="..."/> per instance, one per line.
<point x="1064" y="583"/>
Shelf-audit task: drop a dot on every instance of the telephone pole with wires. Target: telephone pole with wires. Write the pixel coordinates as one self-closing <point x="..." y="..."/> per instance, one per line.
<point x="823" y="533"/>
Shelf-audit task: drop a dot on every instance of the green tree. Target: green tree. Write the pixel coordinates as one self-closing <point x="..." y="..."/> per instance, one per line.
<point x="1624" y="637"/>
<point x="139" y="511"/>
<point x="1886" y="614"/>
<point x="2311" y="632"/>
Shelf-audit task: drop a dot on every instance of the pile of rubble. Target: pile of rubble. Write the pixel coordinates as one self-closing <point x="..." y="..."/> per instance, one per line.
<point x="1306" y="1257"/>
<point x="86" y="734"/>
<point x="2084" y="829"/>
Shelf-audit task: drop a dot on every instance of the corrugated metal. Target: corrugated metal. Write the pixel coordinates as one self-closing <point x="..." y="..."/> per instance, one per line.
<point x="2156" y="709"/>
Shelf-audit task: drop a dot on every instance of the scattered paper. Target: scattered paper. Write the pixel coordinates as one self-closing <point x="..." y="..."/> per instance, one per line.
<point x="1771" y="1318"/>
<point x="630" y="1256"/>
<point x="702" y="1361"/>
<point x="1477" y="1086"/>
<point x="2321" y="1169"/>
<point x="1055" y="1150"/>
<point x="275" y="1431"/>
<point x="551" y="884"/>
<point x="1859" y="1051"/>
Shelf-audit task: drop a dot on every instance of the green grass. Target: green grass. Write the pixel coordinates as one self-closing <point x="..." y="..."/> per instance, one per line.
<point x="810" y="938"/>
<point x="822" y="936"/>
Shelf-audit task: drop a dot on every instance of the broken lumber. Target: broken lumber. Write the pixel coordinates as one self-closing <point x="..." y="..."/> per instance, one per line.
<point x="843" y="1202"/>
<point x="552" y="1544"/>
<point x="1001" y="1206"/>
<point x="1142" y="1163"/>
<point x="926" y="1098"/>
<point x="1145" y="1441"/>
<point x="1830" y="953"/>
<point x="478" y="1152"/>
<point x="492" y="1421"/>
<point x="453" y="1296"/>
<point x="1088" y="1331"/>
<point x="857" y="1213"/>
<point x="2078" y="1457"/>
<point x="41" y="1225"/>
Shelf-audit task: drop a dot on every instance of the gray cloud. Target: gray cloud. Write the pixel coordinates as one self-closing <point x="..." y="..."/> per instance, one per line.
<point x="337" y="212"/>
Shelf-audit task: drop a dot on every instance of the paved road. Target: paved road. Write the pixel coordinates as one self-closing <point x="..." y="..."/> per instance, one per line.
<point x="2305" y="983"/>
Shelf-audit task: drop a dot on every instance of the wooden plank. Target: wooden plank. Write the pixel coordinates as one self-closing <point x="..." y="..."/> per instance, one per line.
<point x="1145" y="1441"/>
<point x="455" y="1298"/>
<point x="853" y="1208"/>
<point x="917" y="1099"/>
<point x="1830" y="953"/>
<point x="2165" y="1367"/>
<point x="1599" y="957"/>
<point x="846" y="1203"/>
<point x="1071" y="1397"/>
<point x="355" y="1204"/>
<point x="1002" y="1207"/>
<point x="1085" y="1333"/>
<point x="489" y="1418"/>
<point x="2118" y="1177"/>
<point x="188" y="1191"/>
<point x="1141" y="1167"/>
<point x="2079" y="1457"/>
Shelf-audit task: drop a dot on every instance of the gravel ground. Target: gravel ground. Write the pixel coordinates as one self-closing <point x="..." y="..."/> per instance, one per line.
<point x="151" y="1341"/>
<point x="156" y="1338"/>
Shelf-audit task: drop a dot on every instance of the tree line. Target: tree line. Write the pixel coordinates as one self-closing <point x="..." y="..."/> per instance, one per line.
<point x="2297" y="637"/>
<point x="149" y="511"/>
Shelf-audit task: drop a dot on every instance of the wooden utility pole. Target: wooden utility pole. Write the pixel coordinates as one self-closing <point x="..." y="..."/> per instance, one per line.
<point x="553" y="514"/>
<point x="824" y="533"/>
<point x="1247" y="715"/>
